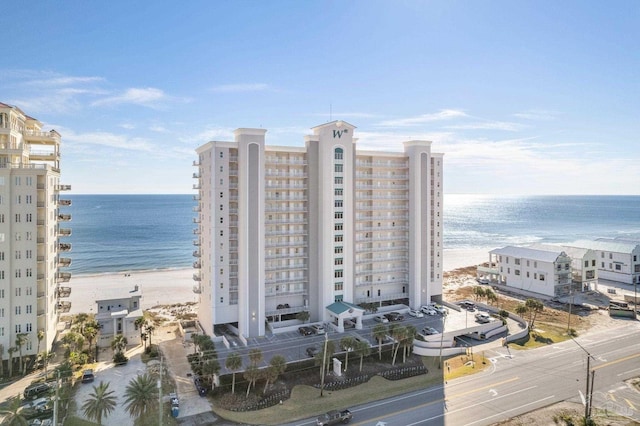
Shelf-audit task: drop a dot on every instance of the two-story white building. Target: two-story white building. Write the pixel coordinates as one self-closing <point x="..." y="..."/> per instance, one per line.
<point x="546" y="272"/>
<point x="617" y="259"/>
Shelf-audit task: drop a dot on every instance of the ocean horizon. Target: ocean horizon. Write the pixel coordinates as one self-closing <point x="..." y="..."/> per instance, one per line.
<point x="114" y="233"/>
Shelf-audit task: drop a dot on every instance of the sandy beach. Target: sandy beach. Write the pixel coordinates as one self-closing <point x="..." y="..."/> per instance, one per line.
<point x="170" y="286"/>
<point x="161" y="287"/>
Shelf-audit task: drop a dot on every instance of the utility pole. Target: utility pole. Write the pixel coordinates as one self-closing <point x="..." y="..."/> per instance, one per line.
<point x="444" y="317"/>
<point x="587" y="397"/>
<point x="55" y="401"/>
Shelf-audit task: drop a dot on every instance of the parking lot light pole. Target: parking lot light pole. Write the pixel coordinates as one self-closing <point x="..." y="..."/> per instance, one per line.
<point x="324" y="361"/>
<point x="444" y="317"/>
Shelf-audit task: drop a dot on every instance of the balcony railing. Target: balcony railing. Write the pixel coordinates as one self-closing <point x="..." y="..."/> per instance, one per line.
<point x="196" y="163"/>
<point x="196" y="264"/>
<point x="64" y="261"/>
<point x="64" y="247"/>
<point x="64" y="232"/>
<point x="196" y="175"/>
<point x="64" y="202"/>
<point x="196" y="253"/>
<point x="64" y="291"/>
<point x="63" y="277"/>
<point x="64" y="306"/>
<point x="196" y="277"/>
<point x="63" y="187"/>
<point x="64" y="217"/>
<point x="196" y="289"/>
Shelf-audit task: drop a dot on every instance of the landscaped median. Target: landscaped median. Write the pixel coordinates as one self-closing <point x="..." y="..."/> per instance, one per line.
<point x="305" y="401"/>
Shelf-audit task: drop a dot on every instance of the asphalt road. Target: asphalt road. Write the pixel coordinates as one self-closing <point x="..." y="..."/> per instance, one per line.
<point x="521" y="381"/>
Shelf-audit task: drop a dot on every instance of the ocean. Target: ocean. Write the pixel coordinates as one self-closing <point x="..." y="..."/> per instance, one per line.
<point x="117" y="233"/>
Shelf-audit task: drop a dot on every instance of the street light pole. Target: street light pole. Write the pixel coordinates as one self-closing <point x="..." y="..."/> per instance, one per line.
<point x="444" y="317"/>
<point x="324" y="361"/>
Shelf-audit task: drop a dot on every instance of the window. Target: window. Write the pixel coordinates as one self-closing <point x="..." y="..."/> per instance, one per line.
<point x="221" y="220"/>
<point x="221" y="233"/>
<point x="18" y="273"/>
<point x="221" y="207"/>
<point x="586" y="263"/>
<point x="338" y="286"/>
<point x="28" y="199"/>
<point x="222" y="300"/>
<point x="338" y="154"/>
<point x="337" y="192"/>
<point x="517" y="271"/>
<point x="541" y="277"/>
<point x="1" y="275"/>
<point x="29" y="272"/>
<point x="222" y="195"/>
<point x="221" y="169"/>
<point x="17" y="217"/>
<point x="337" y="261"/>
<point x="29" y="217"/>
<point x="28" y="255"/>
<point x="517" y="261"/>
<point x="338" y="168"/>
<point x="18" y="328"/>
<point x="610" y="255"/>
<point x="337" y="227"/>
<point x="337" y="250"/>
<point x="18" y="310"/>
<point x="18" y="254"/>
<point x="338" y="273"/>
<point x="1" y="293"/>
<point x="221" y="154"/>
<point x="338" y="238"/>
<point x="18" y="291"/>
<point x="29" y="330"/>
<point x="336" y="181"/>
<point x="2" y="218"/>
<point x="337" y="215"/>
<point x="593" y="262"/>
<point x="337" y="203"/>
<point x="618" y="267"/>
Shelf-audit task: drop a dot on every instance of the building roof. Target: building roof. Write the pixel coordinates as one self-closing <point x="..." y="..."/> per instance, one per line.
<point x="118" y="290"/>
<point x="614" y="245"/>
<point x="530" y="253"/>
<point x="340" y="307"/>
<point x="573" y="252"/>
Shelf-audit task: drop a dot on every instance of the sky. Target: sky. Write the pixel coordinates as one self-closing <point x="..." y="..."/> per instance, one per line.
<point x="522" y="97"/>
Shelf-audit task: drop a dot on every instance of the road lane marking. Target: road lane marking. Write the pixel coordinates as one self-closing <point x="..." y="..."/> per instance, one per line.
<point x="616" y="361"/>
<point x="511" y="409"/>
<point x="624" y="373"/>
<point x="631" y="404"/>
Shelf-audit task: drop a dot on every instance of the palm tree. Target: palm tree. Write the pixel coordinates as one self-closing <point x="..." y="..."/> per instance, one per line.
<point x="347" y="343"/>
<point x="46" y="356"/>
<point x="255" y="357"/>
<point x="210" y="368"/>
<point x="1" y="363"/>
<point x="521" y="310"/>
<point x="21" y="339"/>
<point x="141" y="396"/>
<point x="233" y="363"/>
<point x="270" y="375"/>
<point x="251" y="374"/>
<point x="40" y="336"/>
<point x="90" y="333"/>
<point x="399" y="334"/>
<point x="150" y="328"/>
<point x="490" y="296"/>
<point x="12" y="414"/>
<point x="140" y="323"/>
<point x="362" y="349"/>
<point x="119" y="343"/>
<point x="408" y="341"/>
<point x="535" y="306"/>
<point x="379" y="333"/>
<point x="478" y="292"/>
<point x="11" y="351"/>
<point x="100" y="404"/>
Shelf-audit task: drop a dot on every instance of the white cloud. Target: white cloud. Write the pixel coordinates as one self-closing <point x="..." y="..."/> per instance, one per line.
<point x="241" y="87"/>
<point x="159" y="129"/>
<point x="488" y="125"/>
<point x="107" y="139"/>
<point x="149" y="97"/>
<point x="445" y="114"/>
<point x="537" y="115"/>
<point x="64" y="81"/>
<point x="208" y="134"/>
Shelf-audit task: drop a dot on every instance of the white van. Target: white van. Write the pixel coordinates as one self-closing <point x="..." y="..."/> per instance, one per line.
<point x="483" y="317"/>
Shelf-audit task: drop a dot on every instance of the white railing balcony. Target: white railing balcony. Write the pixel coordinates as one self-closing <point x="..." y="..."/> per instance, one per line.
<point x="196" y="163"/>
<point x="63" y="187"/>
<point x="196" y="289"/>
<point x="196" y="277"/>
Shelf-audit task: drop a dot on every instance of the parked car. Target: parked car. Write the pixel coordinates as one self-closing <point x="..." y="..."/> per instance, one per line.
<point x="469" y="306"/>
<point x="483" y="317"/>
<point x="87" y="376"/>
<point x="428" y="310"/>
<point x="428" y="331"/>
<point x="381" y="318"/>
<point x="200" y="387"/>
<point x="305" y="331"/>
<point x="394" y="316"/>
<point x="34" y="391"/>
<point x="312" y="351"/>
<point x="482" y="280"/>
<point x="416" y="313"/>
<point x="440" y="309"/>
<point x="318" y="328"/>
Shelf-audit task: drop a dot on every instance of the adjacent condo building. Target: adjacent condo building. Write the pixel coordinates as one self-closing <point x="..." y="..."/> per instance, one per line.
<point x="283" y="233"/>
<point x="33" y="281"/>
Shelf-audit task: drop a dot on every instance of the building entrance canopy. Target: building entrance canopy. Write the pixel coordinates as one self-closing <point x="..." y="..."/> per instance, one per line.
<point x="341" y="311"/>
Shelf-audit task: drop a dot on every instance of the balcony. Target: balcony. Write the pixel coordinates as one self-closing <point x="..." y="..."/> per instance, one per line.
<point x="43" y="137"/>
<point x="41" y="312"/>
<point x="196" y="289"/>
<point x="196" y="277"/>
<point x="64" y="217"/>
<point x="196" y="186"/>
<point x="196" y="163"/>
<point x="196" y="220"/>
<point x="196" y="243"/>
<point x="64" y="232"/>
<point x="63" y="187"/>
<point x="63" y="277"/>
<point x="64" y="307"/>
<point x="196" y="264"/>
<point x="196" y="197"/>
<point x="196" y="175"/>
<point x="196" y="253"/>
<point x="196" y="231"/>
<point x="196" y="209"/>
<point x="64" y="202"/>
<point x="64" y="247"/>
<point x="64" y="291"/>
<point x="64" y="261"/>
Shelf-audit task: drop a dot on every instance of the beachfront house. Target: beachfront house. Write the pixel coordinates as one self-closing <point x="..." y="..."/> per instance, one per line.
<point x="618" y="259"/>
<point x="117" y="311"/>
<point x="538" y="271"/>
<point x="584" y="268"/>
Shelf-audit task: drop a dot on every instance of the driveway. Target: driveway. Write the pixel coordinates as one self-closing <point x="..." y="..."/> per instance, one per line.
<point x="175" y="360"/>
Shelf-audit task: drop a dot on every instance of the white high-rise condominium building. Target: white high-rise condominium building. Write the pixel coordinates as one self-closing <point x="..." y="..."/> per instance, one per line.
<point x="285" y="230"/>
<point x="32" y="286"/>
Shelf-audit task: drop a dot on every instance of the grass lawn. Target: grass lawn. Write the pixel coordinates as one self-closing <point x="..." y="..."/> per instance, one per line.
<point x="542" y="335"/>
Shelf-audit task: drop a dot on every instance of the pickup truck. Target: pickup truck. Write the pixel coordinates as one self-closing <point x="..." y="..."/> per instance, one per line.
<point x="334" y="417"/>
